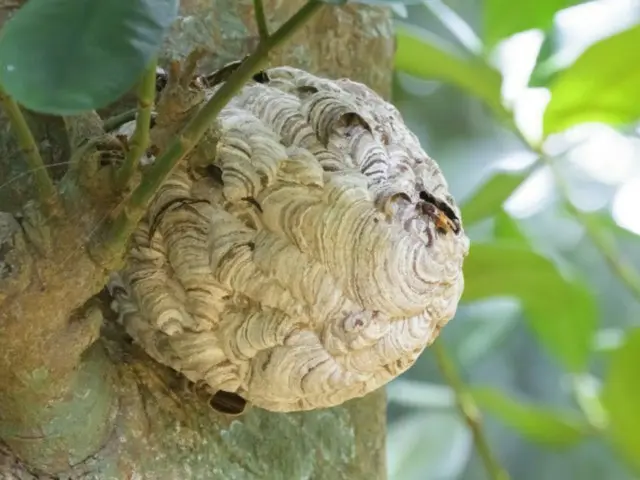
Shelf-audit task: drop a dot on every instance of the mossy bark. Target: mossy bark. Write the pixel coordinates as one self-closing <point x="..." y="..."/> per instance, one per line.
<point x="74" y="407"/>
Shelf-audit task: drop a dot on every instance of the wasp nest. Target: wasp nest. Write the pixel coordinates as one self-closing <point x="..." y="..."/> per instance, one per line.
<point x="309" y="255"/>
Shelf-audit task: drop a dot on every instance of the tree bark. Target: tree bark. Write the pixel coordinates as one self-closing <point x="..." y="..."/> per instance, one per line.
<point x="102" y="409"/>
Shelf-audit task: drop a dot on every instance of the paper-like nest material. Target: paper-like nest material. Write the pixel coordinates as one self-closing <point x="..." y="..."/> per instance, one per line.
<point x="309" y="260"/>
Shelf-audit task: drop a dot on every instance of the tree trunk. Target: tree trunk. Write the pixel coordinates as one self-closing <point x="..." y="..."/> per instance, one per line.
<point x="107" y="411"/>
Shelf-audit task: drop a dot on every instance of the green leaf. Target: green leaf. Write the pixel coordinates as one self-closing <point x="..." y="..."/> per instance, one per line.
<point x="548" y="64"/>
<point x="68" y="56"/>
<point x="488" y="199"/>
<point x="422" y="54"/>
<point x="544" y="73"/>
<point x="537" y="424"/>
<point x="503" y="18"/>
<point x="602" y="85"/>
<point x="561" y="312"/>
<point x="621" y="397"/>
<point x="506" y="228"/>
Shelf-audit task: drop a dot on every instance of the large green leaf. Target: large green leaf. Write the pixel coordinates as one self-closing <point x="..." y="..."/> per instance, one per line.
<point x="422" y="54"/>
<point x="621" y="397"/>
<point x="506" y="228"/>
<point x="602" y="85"/>
<point x="535" y="423"/>
<point x="488" y="199"/>
<point x="68" y="56"/>
<point x="561" y="312"/>
<point x="503" y="18"/>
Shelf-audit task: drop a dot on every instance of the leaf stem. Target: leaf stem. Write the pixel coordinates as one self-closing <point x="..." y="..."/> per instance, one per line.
<point x="261" y="20"/>
<point x="115" y="233"/>
<point x="469" y="410"/>
<point x="140" y="139"/>
<point x="46" y="190"/>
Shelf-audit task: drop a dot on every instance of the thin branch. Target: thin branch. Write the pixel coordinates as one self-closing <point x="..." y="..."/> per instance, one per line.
<point x="140" y="139"/>
<point x="261" y="20"/>
<point x="470" y="412"/>
<point x="115" y="233"/>
<point x="46" y="190"/>
<point x="112" y="123"/>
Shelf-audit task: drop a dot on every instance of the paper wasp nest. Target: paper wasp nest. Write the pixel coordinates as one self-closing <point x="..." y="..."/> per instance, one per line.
<point x="309" y="261"/>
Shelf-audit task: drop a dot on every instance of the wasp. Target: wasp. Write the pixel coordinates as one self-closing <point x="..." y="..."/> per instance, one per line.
<point x="444" y="218"/>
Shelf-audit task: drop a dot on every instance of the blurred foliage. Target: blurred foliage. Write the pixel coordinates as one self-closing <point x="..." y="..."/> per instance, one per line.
<point x="490" y="196"/>
<point x="537" y="424"/>
<point x="545" y="333"/>
<point x="444" y="63"/>
<point x="559" y="311"/>
<point x="503" y="18"/>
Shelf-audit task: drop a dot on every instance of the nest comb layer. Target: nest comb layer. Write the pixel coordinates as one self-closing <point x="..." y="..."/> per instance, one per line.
<point x="307" y="257"/>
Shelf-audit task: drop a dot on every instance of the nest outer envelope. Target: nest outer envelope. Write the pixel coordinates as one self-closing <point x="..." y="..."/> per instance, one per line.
<point x="292" y="259"/>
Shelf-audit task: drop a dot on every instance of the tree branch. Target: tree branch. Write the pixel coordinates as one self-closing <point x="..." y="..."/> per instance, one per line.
<point x="470" y="412"/>
<point x="111" y="123"/>
<point x="261" y="20"/>
<point x="115" y="233"/>
<point x="46" y="190"/>
<point x="152" y="416"/>
<point x="140" y="138"/>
